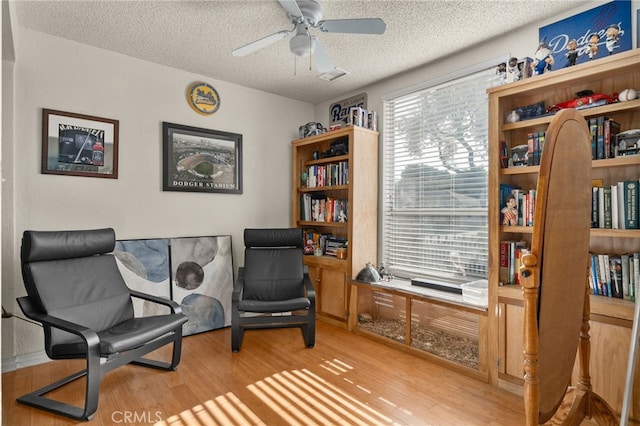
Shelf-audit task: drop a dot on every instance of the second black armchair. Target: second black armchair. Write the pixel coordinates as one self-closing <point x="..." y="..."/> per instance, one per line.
<point x="273" y="288"/>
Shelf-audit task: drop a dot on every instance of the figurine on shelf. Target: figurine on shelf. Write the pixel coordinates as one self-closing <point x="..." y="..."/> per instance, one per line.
<point x="612" y="38"/>
<point x="594" y="39"/>
<point x="501" y="72"/>
<point x="513" y="72"/>
<point x="572" y="54"/>
<point x="510" y="211"/>
<point x="543" y="60"/>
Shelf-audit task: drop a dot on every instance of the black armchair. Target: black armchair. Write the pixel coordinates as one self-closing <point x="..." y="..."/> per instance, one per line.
<point x="75" y="290"/>
<point x="274" y="280"/>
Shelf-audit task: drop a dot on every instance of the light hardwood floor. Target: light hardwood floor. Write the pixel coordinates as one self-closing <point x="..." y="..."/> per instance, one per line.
<point x="275" y="380"/>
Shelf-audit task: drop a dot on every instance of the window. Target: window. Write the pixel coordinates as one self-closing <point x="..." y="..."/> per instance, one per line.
<point x="435" y="179"/>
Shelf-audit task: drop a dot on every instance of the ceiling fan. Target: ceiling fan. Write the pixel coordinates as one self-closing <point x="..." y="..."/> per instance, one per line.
<point x="305" y="14"/>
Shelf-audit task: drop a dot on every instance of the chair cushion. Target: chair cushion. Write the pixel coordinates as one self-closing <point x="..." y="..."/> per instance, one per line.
<point x="125" y="336"/>
<point x="88" y="291"/>
<point x="275" y="306"/>
<point x="273" y="274"/>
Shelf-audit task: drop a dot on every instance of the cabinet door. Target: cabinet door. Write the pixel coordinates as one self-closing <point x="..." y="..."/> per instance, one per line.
<point x="608" y="365"/>
<point x="331" y="293"/>
<point x="511" y="349"/>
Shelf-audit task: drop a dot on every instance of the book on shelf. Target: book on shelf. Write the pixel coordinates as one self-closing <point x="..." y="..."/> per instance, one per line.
<point x="604" y="208"/>
<point x="625" y="265"/>
<point x="614" y="207"/>
<point x="595" y="184"/>
<point x="634" y="276"/>
<point x="592" y="124"/>
<point x="630" y="204"/>
<point x="615" y="272"/>
<point x="611" y="130"/>
<point x="600" y="153"/>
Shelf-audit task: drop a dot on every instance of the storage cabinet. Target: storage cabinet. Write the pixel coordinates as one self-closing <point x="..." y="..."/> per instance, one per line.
<point x="330" y="282"/>
<point x="352" y="179"/>
<point x="611" y="318"/>
<point x="446" y="331"/>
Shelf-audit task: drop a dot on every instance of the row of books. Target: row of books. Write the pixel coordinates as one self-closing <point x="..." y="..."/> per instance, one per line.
<point x="518" y="205"/>
<point x="615" y="206"/>
<point x="328" y="243"/>
<point x="603" y="131"/>
<point x="604" y="144"/>
<point x="510" y="255"/>
<point x="320" y="208"/>
<point x="535" y="144"/>
<point x="328" y="174"/>
<point x="615" y="275"/>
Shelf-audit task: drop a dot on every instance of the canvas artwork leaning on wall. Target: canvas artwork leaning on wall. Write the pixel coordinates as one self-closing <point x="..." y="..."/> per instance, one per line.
<point x="196" y="272"/>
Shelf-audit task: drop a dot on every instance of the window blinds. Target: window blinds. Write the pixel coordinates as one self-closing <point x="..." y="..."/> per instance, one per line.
<point x="435" y="179"/>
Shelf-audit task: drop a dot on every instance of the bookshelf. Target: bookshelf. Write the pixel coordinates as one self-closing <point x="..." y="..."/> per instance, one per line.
<point x="358" y="188"/>
<point x="611" y="318"/>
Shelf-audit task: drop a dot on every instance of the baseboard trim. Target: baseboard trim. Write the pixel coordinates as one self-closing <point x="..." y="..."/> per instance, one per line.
<point x="22" y="361"/>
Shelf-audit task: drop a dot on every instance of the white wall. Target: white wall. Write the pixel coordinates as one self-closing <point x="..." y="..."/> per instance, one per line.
<point x="55" y="73"/>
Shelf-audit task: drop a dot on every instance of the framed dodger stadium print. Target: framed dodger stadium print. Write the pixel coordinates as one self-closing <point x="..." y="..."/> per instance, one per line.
<point x="201" y="160"/>
<point x="79" y="145"/>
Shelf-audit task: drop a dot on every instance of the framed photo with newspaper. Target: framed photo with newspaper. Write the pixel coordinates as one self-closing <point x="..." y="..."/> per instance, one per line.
<point x="79" y="145"/>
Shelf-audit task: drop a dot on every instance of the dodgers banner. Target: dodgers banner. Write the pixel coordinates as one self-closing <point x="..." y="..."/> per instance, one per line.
<point x="595" y="33"/>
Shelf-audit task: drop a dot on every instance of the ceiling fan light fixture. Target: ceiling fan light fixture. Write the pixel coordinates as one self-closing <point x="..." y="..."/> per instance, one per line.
<point x="302" y="45"/>
<point x="332" y="75"/>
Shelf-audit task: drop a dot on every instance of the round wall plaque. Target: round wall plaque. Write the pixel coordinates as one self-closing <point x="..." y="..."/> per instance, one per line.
<point x="203" y="98"/>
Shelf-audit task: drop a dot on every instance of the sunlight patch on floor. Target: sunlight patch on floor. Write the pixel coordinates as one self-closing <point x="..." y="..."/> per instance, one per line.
<point x="223" y="410"/>
<point x="297" y="397"/>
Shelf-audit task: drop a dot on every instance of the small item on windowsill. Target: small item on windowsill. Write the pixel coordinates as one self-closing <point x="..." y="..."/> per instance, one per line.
<point x="368" y="274"/>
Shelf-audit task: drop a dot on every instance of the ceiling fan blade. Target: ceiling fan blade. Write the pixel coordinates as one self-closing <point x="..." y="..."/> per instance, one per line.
<point x="291" y="7"/>
<point x="353" y="26"/>
<point x="259" y="44"/>
<point x="323" y="62"/>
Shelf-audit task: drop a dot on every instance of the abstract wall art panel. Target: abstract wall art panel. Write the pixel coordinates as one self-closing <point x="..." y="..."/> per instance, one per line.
<point x="202" y="281"/>
<point x="145" y="267"/>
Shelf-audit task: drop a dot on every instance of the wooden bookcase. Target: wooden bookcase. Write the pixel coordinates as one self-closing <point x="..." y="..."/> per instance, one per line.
<point x="332" y="276"/>
<point x="611" y="319"/>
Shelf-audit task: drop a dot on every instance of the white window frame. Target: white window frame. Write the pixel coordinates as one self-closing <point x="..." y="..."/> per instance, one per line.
<point x="418" y="260"/>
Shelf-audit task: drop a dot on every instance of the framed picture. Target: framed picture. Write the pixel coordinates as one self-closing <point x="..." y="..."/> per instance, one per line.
<point x="201" y="160"/>
<point x="79" y="145"/>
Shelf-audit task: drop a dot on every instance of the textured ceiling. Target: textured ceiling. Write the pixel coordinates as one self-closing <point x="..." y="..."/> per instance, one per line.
<point x="198" y="36"/>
